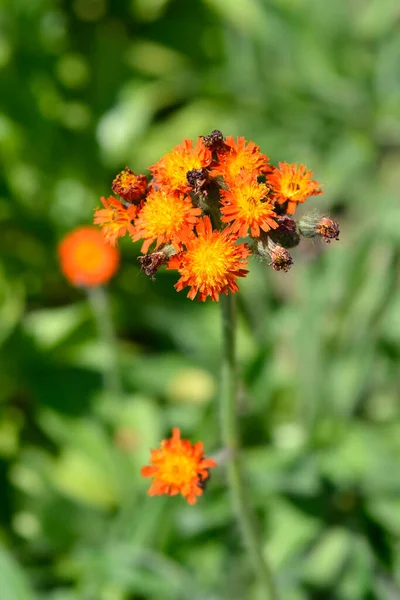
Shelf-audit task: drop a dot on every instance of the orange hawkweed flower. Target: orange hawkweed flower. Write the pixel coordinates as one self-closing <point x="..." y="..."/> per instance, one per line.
<point x="129" y="186"/>
<point x="245" y="206"/>
<point x="178" y="467"/>
<point x="292" y="183"/>
<point x="85" y="258"/>
<point x="171" y="170"/>
<point x="240" y="156"/>
<point x="115" y="219"/>
<point x="166" y="218"/>
<point x="211" y="263"/>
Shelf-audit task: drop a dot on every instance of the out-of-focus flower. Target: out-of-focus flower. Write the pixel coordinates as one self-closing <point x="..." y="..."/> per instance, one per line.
<point x="211" y="263"/>
<point x="292" y="183"/>
<point x="166" y="218"/>
<point x="178" y="467"/>
<point x="246" y="206"/>
<point x="239" y="156"/>
<point x="170" y="172"/>
<point x="115" y="219"/>
<point x="86" y="259"/>
<point x="129" y="186"/>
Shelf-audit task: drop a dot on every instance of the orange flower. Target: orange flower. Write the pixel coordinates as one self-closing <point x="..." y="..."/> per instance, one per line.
<point x="85" y="258"/>
<point x="238" y="156"/>
<point x="129" y="186"/>
<point x="211" y="263"/>
<point x="166" y="218"/>
<point x="171" y="170"/>
<point x="178" y="467"/>
<point x="115" y="219"/>
<point x="245" y="205"/>
<point x="292" y="183"/>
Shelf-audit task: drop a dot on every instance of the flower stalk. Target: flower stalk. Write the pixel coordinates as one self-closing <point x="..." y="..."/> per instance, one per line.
<point x="231" y="441"/>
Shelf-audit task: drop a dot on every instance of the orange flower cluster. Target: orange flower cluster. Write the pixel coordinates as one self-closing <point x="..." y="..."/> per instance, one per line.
<point x="178" y="467"/>
<point x="207" y="207"/>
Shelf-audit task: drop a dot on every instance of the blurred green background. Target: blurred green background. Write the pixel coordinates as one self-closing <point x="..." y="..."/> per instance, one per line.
<point x="88" y="86"/>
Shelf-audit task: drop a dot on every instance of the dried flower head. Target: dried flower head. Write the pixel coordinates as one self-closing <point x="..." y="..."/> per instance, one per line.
<point x="178" y="467"/>
<point x="150" y="263"/>
<point x="115" y="219"/>
<point x="292" y="183"/>
<point x="328" y="229"/>
<point x="211" y="263"/>
<point x="85" y="258"/>
<point x="129" y="186"/>
<point x="280" y="257"/>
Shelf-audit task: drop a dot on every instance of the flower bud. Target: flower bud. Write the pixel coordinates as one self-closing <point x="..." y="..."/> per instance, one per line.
<point x="286" y="234"/>
<point x="314" y="225"/>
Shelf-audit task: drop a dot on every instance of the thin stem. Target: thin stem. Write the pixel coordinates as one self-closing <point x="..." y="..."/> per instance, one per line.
<point x="231" y="441"/>
<point x="98" y="300"/>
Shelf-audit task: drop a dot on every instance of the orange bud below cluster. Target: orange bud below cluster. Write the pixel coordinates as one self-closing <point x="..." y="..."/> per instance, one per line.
<point x="85" y="259"/>
<point x="178" y="467"/>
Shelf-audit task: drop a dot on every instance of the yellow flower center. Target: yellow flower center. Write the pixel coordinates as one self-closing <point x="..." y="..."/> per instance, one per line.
<point x="163" y="214"/>
<point x="210" y="260"/>
<point x="177" y="469"/>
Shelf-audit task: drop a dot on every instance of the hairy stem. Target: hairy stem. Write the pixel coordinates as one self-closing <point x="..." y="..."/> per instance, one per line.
<point x="98" y="300"/>
<point x="231" y="441"/>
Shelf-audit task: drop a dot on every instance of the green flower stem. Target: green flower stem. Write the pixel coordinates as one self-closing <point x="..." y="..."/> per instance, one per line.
<point x="231" y="441"/>
<point x="98" y="300"/>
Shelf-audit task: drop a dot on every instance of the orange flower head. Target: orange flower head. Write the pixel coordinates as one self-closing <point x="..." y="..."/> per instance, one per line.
<point x="178" y="467"/>
<point x="85" y="258"/>
<point x="239" y="156"/>
<point x="170" y="171"/>
<point x="115" y="219"/>
<point x="245" y="206"/>
<point x="292" y="183"/>
<point x="129" y="186"/>
<point x="211" y="263"/>
<point x="166" y="218"/>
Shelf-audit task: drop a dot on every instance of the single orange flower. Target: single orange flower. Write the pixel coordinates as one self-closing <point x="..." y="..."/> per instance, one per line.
<point x="292" y="183"/>
<point x="170" y="171"/>
<point x="115" y="219"/>
<point x="211" y="263"/>
<point x="129" y="186"/>
<point x="165" y="218"/>
<point x="178" y="467"/>
<point x="245" y="205"/>
<point x="85" y="258"/>
<point x="240" y="156"/>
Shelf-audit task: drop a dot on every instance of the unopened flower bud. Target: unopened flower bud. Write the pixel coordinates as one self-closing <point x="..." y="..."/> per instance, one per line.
<point x="314" y="225"/>
<point x="129" y="186"/>
<point x="286" y="234"/>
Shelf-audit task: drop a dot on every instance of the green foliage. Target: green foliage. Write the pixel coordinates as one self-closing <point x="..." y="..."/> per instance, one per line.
<point x="89" y="86"/>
